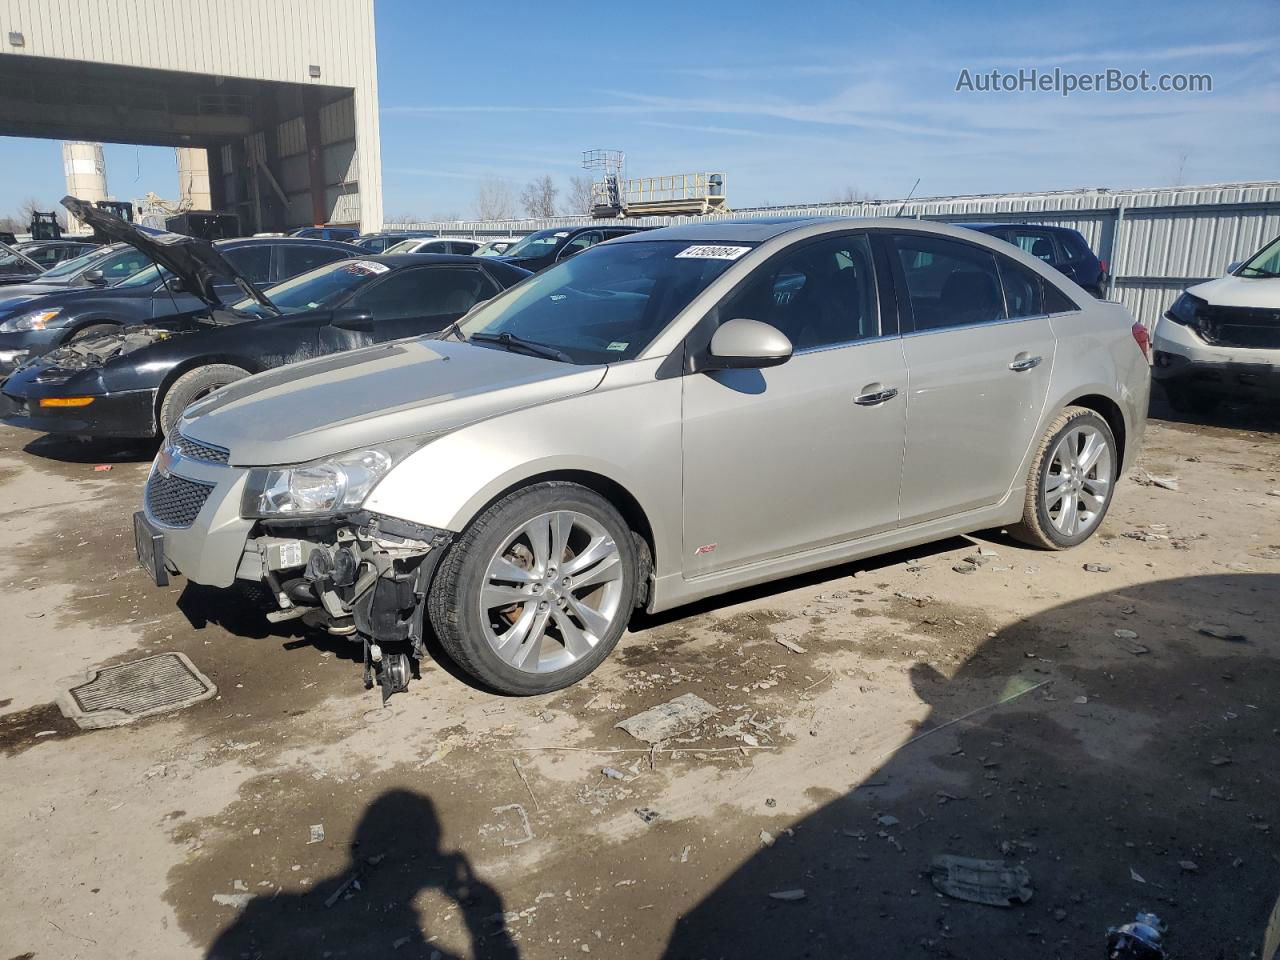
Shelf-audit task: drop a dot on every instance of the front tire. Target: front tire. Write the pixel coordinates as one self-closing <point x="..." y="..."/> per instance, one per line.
<point x="1071" y="483"/>
<point x="537" y="590"/>
<point x="190" y="387"/>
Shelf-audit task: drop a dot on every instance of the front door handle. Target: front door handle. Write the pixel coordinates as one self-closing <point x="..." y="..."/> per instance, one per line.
<point x="1023" y="362"/>
<point x="875" y="397"/>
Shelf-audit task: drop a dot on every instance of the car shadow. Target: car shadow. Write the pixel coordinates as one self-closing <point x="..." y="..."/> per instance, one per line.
<point x="926" y="555"/>
<point x="1230" y="414"/>
<point x="1118" y="780"/>
<point x="68" y="449"/>
<point x="367" y="909"/>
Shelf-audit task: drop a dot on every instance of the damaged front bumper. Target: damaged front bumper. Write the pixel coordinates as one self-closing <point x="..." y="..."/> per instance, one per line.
<point x="360" y="575"/>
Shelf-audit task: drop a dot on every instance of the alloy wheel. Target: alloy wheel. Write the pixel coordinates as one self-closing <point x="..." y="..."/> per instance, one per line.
<point x="1077" y="480"/>
<point x="551" y="591"/>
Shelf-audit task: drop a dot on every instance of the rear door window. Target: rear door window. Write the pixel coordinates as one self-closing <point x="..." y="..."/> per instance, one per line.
<point x="1074" y="245"/>
<point x="581" y="242"/>
<point x="1038" y="243"/>
<point x="295" y="258"/>
<point x="1023" y="289"/>
<point x="254" y="262"/>
<point x="949" y="283"/>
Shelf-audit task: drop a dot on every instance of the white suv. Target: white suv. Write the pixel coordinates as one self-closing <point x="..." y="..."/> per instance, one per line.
<point x="1222" y="338"/>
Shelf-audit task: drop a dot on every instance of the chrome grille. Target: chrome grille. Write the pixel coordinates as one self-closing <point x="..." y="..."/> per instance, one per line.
<point x="195" y="450"/>
<point x="175" y="501"/>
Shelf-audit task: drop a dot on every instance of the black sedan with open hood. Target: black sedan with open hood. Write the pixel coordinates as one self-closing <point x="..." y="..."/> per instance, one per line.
<point x="137" y="381"/>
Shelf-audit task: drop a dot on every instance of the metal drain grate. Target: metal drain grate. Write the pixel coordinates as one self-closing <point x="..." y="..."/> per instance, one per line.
<point x="129" y="691"/>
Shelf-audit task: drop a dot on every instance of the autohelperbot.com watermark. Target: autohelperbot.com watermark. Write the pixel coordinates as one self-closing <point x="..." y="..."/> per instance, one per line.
<point x="1065" y="82"/>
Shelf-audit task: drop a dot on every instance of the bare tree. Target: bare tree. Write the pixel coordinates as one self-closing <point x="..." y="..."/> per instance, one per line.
<point x="852" y="194"/>
<point x="539" y="197"/>
<point x="495" y="200"/>
<point x="577" y="199"/>
<point x="445" y="217"/>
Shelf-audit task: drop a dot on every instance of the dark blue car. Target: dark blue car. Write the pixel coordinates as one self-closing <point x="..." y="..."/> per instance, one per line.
<point x="1060" y="247"/>
<point x="36" y="318"/>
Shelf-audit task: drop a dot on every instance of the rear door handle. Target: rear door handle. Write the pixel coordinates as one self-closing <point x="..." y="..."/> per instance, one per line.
<point x="875" y="397"/>
<point x="1023" y="362"/>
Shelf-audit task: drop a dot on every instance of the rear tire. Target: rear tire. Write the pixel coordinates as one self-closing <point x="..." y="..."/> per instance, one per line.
<point x="1067" y="495"/>
<point x="524" y="615"/>
<point x="190" y="387"/>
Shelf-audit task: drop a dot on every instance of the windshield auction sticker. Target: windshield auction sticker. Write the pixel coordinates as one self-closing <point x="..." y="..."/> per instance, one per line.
<point x="713" y="252"/>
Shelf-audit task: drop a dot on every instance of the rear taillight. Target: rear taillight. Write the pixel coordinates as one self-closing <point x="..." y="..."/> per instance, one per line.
<point x="1143" y="339"/>
<point x="1106" y="267"/>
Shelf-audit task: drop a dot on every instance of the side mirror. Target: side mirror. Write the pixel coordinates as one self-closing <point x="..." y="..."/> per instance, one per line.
<point x="95" y="277"/>
<point x="175" y="285"/>
<point x="746" y="344"/>
<point x="1234" y="265"/>
<point x="353" y="318"/>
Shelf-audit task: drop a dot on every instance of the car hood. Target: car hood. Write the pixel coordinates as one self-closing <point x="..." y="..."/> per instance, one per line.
<point x="406" y="388"/>
<point x="1233" y="291"/>
<point x="194" y="261"/>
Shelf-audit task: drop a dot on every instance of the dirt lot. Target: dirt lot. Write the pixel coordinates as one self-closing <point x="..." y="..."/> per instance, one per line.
<point x="1127" y="772"/>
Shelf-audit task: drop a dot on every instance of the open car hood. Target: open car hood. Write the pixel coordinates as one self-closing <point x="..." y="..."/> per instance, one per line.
<point x="197" y="263"/>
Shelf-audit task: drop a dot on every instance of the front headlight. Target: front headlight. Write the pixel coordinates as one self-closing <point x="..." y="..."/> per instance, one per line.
<point x="1184" y="310"/>
<point x="323" y="487"/>
<point x="36" y="320"/>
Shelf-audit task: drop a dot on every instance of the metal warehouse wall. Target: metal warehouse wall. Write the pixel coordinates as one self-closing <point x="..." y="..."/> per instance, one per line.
<point x="1158" y="241"/>
<point x="265" y="40"/>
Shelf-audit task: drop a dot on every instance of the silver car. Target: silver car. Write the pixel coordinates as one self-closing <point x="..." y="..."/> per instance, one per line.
<point x="668" y="416"/>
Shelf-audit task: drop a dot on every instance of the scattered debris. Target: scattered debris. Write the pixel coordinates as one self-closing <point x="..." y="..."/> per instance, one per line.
<point x="524" y="823"/>
<point x="1139" y="939"/>
<point x="1097" y="567"/>
<point x="1135" y="875"/>
<point x="525" y="780"/>
<point x="237" y="900"/>
<point x="767" y="839"/>
<point x="1081" y="700"/>
<point x="1190" y="866"/>
<point x="1219" y="761"/>
<point x="669" y="719"/>
<point x="1126" y="641"/>
<point x="316" y="831"/>
<point x="102" y="468"/>
<point x="919" y="599"/>
<point x="789" y="644"/>
<point x="351" y="883"/>
<point x="1221" y="632"/>
<point x="613" y="774"/>
<point x="887" y="820"/>
<point x="965" y="568"/>
<point x="1148" y="479"/>
<point x="648" y="814"/>
<point x="1144" y="536"/>
<point x="992" y="882"/>
<point x="789" y="895"/>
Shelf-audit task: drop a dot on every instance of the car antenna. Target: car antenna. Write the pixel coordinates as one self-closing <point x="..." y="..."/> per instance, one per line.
<point x="904" y="203"/>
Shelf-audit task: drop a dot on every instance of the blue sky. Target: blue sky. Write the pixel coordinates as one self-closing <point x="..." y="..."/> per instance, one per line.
<point x="795" y="102"/>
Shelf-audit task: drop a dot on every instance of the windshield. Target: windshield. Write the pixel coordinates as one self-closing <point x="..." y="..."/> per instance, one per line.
<point x="404" y="246"/>
<point x="322" y="287"/>
<point x="604" y="305"/>
<point x="68" y="267"/>
<point x="1264" y="263"/>
<point x="537" y="244"/>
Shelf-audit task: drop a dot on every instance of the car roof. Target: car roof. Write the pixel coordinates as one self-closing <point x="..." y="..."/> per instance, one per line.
<point x="408" y="259"/>
<point x="235" y="243"/>
<point x="767" y="228"/>
<point x="1003" y="226"/>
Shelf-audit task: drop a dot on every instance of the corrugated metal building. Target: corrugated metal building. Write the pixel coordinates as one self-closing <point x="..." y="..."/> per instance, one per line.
<point x="1158" y="241"/>
<point x="282" y="93"/>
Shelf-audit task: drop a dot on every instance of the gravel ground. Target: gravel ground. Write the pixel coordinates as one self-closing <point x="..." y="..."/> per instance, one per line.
<point x="913" y="712"/>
